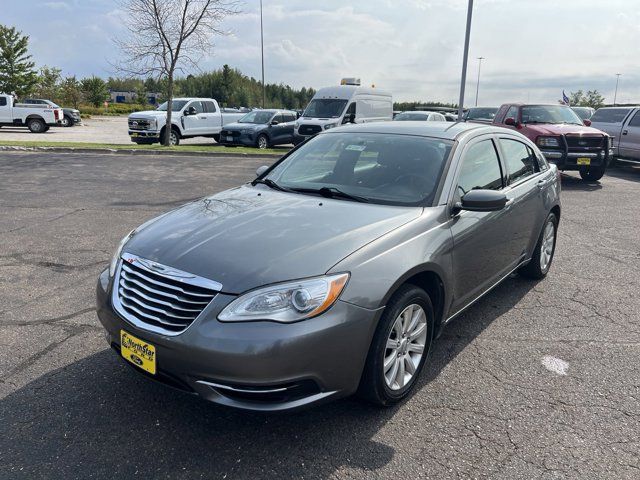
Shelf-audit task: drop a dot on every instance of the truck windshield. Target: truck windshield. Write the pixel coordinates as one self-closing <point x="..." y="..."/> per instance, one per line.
<point x="365" y="167"/>
<point x="325" y="108"/>
<point x="176" y="105"/>
<point x="256" y="117"/>
<point x="549" y="114"/>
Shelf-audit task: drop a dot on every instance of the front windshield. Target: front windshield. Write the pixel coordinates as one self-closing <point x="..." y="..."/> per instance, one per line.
<point x="380" y="168"/>
<point x="325" y="108"/>
<point x="257" y="117"/>
<point x="408" y="117"/>
<point x="484" y="113"/>
<point x="176" y="105"/>
<point x="549" y="114"/>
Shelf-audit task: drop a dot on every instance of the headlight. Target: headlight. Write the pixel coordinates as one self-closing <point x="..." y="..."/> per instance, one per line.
<point x="287" y="302"/>
<point x="329" y="125"/>
<point x="116" y="254"/>
<point x="548" y="142"/>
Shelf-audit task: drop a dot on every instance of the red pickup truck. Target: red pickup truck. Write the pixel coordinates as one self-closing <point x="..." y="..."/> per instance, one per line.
<point x="561" y="135"/>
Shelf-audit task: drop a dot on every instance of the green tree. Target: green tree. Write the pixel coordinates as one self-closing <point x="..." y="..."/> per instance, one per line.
<point x="71" y="92"/>
<point x="94" y="90"/>
<point x="576" y="98"/>
<point x="594" y="99"/>
<point x="48" y="86"/>
<point x="17" y="73"/>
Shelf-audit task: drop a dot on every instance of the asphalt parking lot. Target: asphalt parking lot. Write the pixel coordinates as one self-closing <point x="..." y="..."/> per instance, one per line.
<point x="97" y="129"/>
<point x="537" y="380"/>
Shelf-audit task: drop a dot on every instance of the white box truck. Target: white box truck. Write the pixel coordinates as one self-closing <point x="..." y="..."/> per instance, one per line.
<point x="346" y="103"/>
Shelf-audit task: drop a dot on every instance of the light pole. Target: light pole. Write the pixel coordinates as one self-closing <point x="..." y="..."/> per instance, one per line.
<point x="478" y="82"/>
<point x="463" y="80"/>
<point x="264" y="94"/>
<point x="615" y="96"/>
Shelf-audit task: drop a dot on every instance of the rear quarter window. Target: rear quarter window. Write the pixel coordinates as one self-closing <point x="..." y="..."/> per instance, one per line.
<point x="3" y="101"/>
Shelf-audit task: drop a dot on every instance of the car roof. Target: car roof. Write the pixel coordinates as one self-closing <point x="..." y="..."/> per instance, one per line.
<point x="444" y="130"/>
<point x="426" y="112"/>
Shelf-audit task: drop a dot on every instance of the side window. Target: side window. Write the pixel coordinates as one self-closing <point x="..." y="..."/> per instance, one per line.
<point x="351" y="110"/>
<point x="635" y="121"/>
<point x="512" y="112"/>
<point x="197" y="106"/>
<point x="480" y="169"/>
<point x="209" y="107"/>
<point x="3" y="101"/>
<point x="278" y="118"/>
<point x="519" y="159"/>
<point x="289" y="117"/>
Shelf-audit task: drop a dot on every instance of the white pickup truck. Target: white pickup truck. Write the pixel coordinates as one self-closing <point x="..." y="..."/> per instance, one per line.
<point x="37" y="118"/>
<point x="190" y="117"/>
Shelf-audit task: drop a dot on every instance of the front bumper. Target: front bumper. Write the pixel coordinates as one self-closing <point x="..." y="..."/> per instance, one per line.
<point x="263" y="366"/>
<point x="241" y="139"/>
<point x="568" y="160"/>
<point x="144" y="135"/>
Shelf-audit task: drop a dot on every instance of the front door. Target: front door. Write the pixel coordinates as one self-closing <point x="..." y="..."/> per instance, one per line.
<point x="5" y="110"/>
<point x="195" y="124"/>
<point x="630" y="138"/>
<point x="481" y="239"/>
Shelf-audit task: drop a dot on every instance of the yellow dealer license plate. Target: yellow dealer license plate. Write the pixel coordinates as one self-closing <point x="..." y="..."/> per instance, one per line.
<point x="583" y="161"/>
<point x="138" y="352"/>
<point x="133" y="134"/>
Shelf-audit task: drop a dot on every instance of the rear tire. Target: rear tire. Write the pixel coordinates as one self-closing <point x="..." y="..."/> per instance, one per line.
<point x="592" y="174"/>
<point x="36" y="125"/>
<point x="545" y="248"/>
<point x="383" y="383"/>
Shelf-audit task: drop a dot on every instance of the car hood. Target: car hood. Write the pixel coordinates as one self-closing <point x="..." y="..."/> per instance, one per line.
<point x="563" y="129"/>
<point x="151" y="114"/>
<point x="253" y="236"/>
<point x="237" y="126"/>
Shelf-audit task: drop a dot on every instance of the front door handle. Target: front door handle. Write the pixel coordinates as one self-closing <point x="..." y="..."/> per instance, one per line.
<point x="540" y="184"/>
<point x="624" y="132"/>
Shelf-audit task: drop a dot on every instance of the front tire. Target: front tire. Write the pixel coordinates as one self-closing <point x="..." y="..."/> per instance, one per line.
<point x="36" y="125"/>
<point x="67" y="121"/>
<point x="545" y="248"/>
<point x="174" y="137"/>
<point x="399" y="348"/>
<point x="592" y="174"/>
<point x="262" y="141"/>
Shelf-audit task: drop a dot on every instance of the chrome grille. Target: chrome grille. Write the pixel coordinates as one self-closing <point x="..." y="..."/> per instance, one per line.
<point x="584" y="143"/>
<point x="159" y="298"/>
<point x="309" y="129"/>
<point x="139" y="124"/>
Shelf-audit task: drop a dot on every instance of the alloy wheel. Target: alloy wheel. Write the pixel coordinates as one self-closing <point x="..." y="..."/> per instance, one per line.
<point x="548" y="244"/>
<point x="262" y="142"/>
<point x="405" y="347"/>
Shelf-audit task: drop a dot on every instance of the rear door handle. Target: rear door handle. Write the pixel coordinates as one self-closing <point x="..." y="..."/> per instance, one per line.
<point x="624" y="132"/>
<point x="540" y="184"/>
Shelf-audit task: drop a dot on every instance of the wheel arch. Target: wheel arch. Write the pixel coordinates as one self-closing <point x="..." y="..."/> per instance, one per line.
<point x="431" y="279"/>
<point x="34" y="116"/>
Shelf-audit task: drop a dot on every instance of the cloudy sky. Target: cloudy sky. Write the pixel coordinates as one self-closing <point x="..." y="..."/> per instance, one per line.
<point x="534" y="48"/>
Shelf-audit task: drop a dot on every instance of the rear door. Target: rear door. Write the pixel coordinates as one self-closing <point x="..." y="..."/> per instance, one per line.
<point x="525" y="189"/>
<point x="630" y="138"/>
<point x="611" y="120"/>
<point x="5" y="110"/>
<point x="213" y="118"/>
<point x="277" y="132"/>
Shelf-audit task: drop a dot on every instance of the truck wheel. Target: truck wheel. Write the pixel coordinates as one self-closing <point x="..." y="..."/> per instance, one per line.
<point x="216" y="137"/>
<point x="592" y="174"/>
<point x="399" y="348"/>
<point x="262" y="142"/>
<point x="67" y="121"/>
<point x="36" y="125"/>
<point x="174" y="137"/>
<point x="542" y="256"/>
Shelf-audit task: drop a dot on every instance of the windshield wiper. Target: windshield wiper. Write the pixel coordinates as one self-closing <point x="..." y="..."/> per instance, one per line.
<point x="271" y="184"/>
<point x="333" y="192"/>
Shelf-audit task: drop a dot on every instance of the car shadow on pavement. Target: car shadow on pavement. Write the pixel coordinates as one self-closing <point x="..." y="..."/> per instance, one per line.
<point x="96" y="418"/>
<point x="624" y="172"/>
<point x="576" y="183"/>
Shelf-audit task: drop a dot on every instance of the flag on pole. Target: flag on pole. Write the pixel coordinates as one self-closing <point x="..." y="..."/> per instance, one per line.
<point x="565" y="99"/>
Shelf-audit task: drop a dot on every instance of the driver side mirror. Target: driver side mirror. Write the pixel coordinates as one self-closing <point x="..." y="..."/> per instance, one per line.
<point x="510" y="121"/>
<point x="482" y="201"/>
<point x="261" y="170"/>
<point x="587" y="122"/>
<point x="190" y="111"/>
<point x="275" y="122"/>
<point x="349" y="118"/>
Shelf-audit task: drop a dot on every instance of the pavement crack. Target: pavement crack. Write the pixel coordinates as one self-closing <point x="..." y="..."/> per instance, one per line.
<point x="47" y="321"/>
